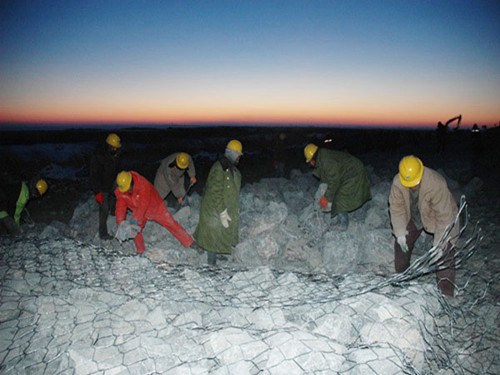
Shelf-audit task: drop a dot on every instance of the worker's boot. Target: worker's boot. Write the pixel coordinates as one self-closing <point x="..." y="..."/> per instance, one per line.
<point x="343" y="221"/>
<point x="211" y="258"/>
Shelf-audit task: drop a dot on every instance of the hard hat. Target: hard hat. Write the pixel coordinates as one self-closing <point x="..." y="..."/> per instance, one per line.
<point x="411" y="170"/>
<point x="41" y="186"/>
<point x="113" y="140"/>
<point x="235" y="145"/>
<point x="123" y="180"/>
<point x="309" y="151"/>
<point x="182" y="160"/>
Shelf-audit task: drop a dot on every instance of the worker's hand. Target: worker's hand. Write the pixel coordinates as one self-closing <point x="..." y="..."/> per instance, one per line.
<point x="402" y="242"/>
<point x="193" y="180"/>
<point x="134" y="227"/>
<point x="179" y="200"/>
<point x="324" y="204"/>
<point x="224" y="218"/>
<point x="123" y="231"/>
<point x="99" y="198"/>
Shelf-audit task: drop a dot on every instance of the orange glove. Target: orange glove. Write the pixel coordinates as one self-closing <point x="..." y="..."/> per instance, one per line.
<point x="179" y="200"/>
<point x="99" y="198"/>
<point x="193" y="180"/>
<point x="323" y="203"/>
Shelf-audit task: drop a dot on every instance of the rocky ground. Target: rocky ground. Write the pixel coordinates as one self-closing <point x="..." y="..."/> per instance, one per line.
<point x="296" y="296"/>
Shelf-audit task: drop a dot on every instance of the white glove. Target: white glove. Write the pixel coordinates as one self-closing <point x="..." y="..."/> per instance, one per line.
<point x="224" y="218"/>
<point x="402" y="242"/>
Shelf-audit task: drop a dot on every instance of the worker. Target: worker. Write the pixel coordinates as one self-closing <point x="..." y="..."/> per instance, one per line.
<point x="13" y="201"/>
<point x="420" y="200"/>
<point x="217" y="230"/>
<point x="136" y="193"/>
<point x="105" y="163"/>
<point x="170" y="175"/>
<point x="347" y="182"/>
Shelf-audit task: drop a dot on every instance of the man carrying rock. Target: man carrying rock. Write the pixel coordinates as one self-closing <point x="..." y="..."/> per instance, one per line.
<point x="137" y="194"/>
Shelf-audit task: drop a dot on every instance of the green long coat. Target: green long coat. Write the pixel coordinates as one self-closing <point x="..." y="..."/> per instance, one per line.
<point x="346" y="177"/>
<point x="222" y="191"/>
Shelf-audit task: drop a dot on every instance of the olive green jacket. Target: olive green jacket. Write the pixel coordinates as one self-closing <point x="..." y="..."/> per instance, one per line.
<point x="222" y="191"/>
<point x="346" y="177"/>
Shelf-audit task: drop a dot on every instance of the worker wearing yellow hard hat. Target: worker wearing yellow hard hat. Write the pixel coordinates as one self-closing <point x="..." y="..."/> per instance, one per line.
<point x="105" y="163"/>
<point x="13" y="200"/>
<point x="346" y="180"/>
<point x="217" y="230"/>
<point x="171" y="173"/>
<point x="420" y="200"/>
<point x="137" y="194"/>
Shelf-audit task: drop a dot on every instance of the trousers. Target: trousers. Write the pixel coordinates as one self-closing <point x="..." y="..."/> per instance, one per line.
<point x="445" y="277"/>
<point x="163" y="217"/>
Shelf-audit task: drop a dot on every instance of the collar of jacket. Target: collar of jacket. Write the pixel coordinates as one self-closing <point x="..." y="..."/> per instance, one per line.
<point x="226" y="164"/>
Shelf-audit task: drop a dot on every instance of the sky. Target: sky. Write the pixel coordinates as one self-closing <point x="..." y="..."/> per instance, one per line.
<point x="378" y="63"/>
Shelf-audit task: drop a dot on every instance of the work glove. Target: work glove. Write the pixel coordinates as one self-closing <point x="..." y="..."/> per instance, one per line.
<point x="324" y="204"/>
<point x="193" y="180"/>
<point x="127" y="230"/>
<point x="135" y="229"/>
<point x="99" y="198"/>
<point x="224" y="218"/>
<point x="123" y="231"/>
<point x="402" y="242"/>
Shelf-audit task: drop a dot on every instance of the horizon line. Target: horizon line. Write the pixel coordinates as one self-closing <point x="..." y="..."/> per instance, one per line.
<point x="114" y="125"/>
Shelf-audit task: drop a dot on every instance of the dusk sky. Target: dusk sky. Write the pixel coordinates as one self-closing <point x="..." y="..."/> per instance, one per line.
<point x="397" y="63"/>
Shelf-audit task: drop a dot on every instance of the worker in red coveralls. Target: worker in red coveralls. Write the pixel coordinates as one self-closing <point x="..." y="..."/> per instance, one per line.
<point x="136" y="193"/>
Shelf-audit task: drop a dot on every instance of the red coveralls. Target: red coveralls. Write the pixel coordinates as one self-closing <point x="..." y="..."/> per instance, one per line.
<point x="146" y="204"/>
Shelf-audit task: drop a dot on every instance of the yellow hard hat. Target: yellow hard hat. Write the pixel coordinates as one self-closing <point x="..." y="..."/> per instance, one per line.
<point x="309" y="151"/>
<point x="113" y="140"/>
<point x="123" y="180"/>
<point x="411" y="170"/>
<point x="235" y="145"/>
<point x="182" y="160"/>
<point x="41" y="186"/>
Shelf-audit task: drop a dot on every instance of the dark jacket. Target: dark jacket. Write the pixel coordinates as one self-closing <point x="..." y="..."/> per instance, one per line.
<point x="348" y="184"/>
<point x="13" y="200"/>
<point x="9" y="194"/>
<point x="104" y="166"/>
<point x="222" y="191"/>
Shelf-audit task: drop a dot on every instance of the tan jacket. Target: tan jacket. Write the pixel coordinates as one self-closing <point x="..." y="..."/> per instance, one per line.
<point x="435" y="203"/>
<point x="169" y="178"/>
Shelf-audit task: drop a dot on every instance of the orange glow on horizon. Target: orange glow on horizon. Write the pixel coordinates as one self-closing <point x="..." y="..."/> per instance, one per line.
<point x="310" y="111"/>
<point x="233" y="117"/>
